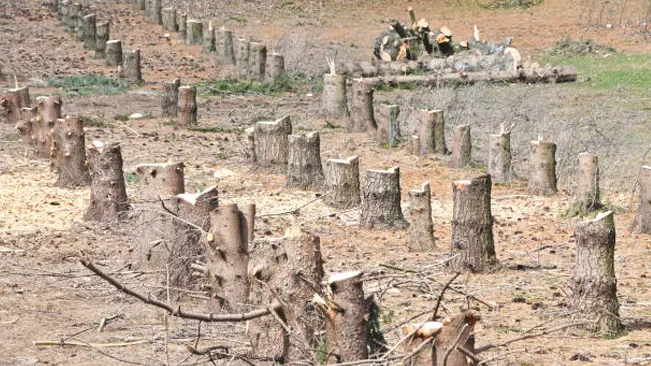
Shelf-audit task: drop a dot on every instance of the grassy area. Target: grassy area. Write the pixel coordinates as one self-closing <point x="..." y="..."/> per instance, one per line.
<point x="217" y="129"/>
<point x="281" y="85"/>
<point x="88" y="84"/>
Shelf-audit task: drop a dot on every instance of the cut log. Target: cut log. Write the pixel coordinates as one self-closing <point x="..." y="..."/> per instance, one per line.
<point x="208" y="45"/>
<point x="113" y="55"/>
<point x="542" y="171"/>
<point x="155" y="15"/>
<point x="68" y="153"/>
<point x="14" y="101"/>
<point x="225" y="47"/>
<point x="642" y="220"/>
<point x="304" y="161"/>
<point x="89" y="31"/>
<point x="194" y="32"/>
<point x="362" y="117"/>
<point x="461" y="147"/>
<point x="561" y="74"/>
<point x="49" y="110"/>
<point x="334" y="96"/>
<point x="594" y="281"/>
<point x="169" y="101"/>
<point x="499" y="157"/>
<point x="381" y="200"/>
<point x="275" y="67"/>
<point x="432" y="132"/>
<point x="588" y="193"/>
<point x="242" y="63"/>
<point x="421" y="227"/>
<point x="342" y="183"/>
<point x="168" y="18"/>
<point x="101" y="37"/>
<point x="455" y="331"/>
<point x="257" y="61"/>
<point x="130" y="69"/>
<point x="388" y="125"/>
<point x="182" y="21"/>
<point x="472" y="225"/>
<point x="187" y="107"/>
<point x="272" y="143"/>
<point x="108" y="197"/>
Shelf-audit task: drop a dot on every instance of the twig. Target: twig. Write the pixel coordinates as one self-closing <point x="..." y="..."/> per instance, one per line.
<point x="62" y="343"/>
<point x="395" y="346"/>
<point x="438" y="301"/>
<point x="453" y="346"/>
<point x="532" y="335"/>
<point x="104" y="321"/>
<point x="291" y="211"/>
<point x="418" y="349"/>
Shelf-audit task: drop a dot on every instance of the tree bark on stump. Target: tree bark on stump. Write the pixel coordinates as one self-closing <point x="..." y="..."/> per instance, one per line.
<point x="108" y="197"/>
<point x="275" y="67"/>
<point x="361" y="107"/>
<point x="101" y="37"/>
<point x="588" y="182"/>
<point x="334" y="95"/>
<point x="271" y="143"/>
<point x="461" y="147"/>
<point x="421" y="227"/>
<point x="170" y="99"/>
<point x="168" y="18"/>
<point x="472" y="225"/>
<point x="182" y="22"/>
<point x="432" y="132"/>
<point x="89" y="31"/>
<point x="595" y="285"/>
<point x="14" y="101"/>
<point x="49" y="110"/>
<point x="242" y="61"/>
<point x="542" y="173"/>
<point x="250" y="221"/>
<point x="74" y="14"/>
<point x="208" y="45"/>
<point x="26" y="126"/>
<point x="131" y="67"/>
<point x="642" y="219"/>
<point x="225" y="47"/>
<point x="381" y="200"/>
<point x="388" y="124"/>
<point x="187" y="107"/>
<point x="257" y="61"/>
<point x="68" y="155"/>
<point x="304" y="161"/>
<point x="113" y="56"/>
<point x="160" y="181"/>
<point x="155" y="15"/>
<point x="455" y="331"/>
<point x="413" y="148"/>
<point x="194" y="32"/>
<point x="499" y="157"/>
<point x="342" y="183"/>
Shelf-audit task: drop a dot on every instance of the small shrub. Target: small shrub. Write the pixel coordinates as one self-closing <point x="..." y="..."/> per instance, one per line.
<point x="121" y="117"/>
<point x="568" y="46"/>
<point x="131" y="178"/>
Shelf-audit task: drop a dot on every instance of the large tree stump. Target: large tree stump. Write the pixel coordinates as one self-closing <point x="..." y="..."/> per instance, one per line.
<point x="182" y="21"/>
<point x="432" y="132"/>
<point x="208" y="45"/>
<point x="14" y="101"/>
<point x="224" y="47"/>
<point x="194" y="32"/>
<point x="342" y="183"/>
<point x="49" y="110"/>
<point x="108" y="196"/>
<point x="642" y="219"/>
<point x="499" y="157"/>
<point x="271" y="143"/>
<point x="455" y="331"/>
<point x="472" y="225"/>
<point x="101" y="37"/>
<point x="68" y="153"/>
<point x="587" y="192"/>
<point x="130" y="69"/>
<point x="542" y="171"/>
<point x="89" y="31"/>
<point x="169" y="101"/>
<point x="257" y="61"/>
<point x="168" y="18"/>
<point x="461" y="147"/>
<point x="333" y="97"/>
<point x="421" y="227"/>
<point x="187" y="107"/>
<point x="361" y="107"/>
<point x="113" y="56"/>
<point x="304" y="161"/>
<point x="388" y="124"/>
<point x="594" y="282"/>
<point x="381" y="200"/>
<point x="275" y="67"/>
<point x="155" y="12"/>
<point x="242" y="61"/>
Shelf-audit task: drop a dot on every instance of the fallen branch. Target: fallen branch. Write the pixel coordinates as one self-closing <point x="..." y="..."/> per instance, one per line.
<point x="438" y="301"/>
<point x="528" y="336"/>
<point x="63" y="343"/>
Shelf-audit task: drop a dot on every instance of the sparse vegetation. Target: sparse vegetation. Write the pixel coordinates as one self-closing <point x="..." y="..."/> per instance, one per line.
<point x="284" y="84"/>
<point x="88" y="84"/>
<point x="95" y="122"/>
<point x="217" y="129"/>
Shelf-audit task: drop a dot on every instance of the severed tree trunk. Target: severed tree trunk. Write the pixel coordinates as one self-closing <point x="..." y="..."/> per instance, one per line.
<point x="388" y="124"/>
<point x="242" y="61"/>
<point x="542" y="174"/>
<point x="381" y="200"/>
<point x="588" y="193"/>
<point x="361" y="107"/>
<point x="14" y="102"/>
<point x="257" y="61"/>
<point x="208" y="39"/>
<point x="182" y="22"/>
<point x="169" y="101"/>
<point x="472" y="225"/>
<point x="131" y="67"/>
<point x="642" y="220"/>
<point x="421" y="227"/>
<point x="342" y="183"/>
<point x="334" y="95"/>
<point x="155" y="15"/>
<point x="304" y="161"/>
<point x="461" y="147"/>
<point x="68" y="154"/>
<point x="108" y="197"/>
<point x="499" y="157"/>
<point x="89" y="31"/>
<point x="101" y="37"/>
<point x="187" y="107"/>
<point x="194" y="32"/>
<point x="168" y="18"/>
<point x="225" y="47"/>
<point x="113" y="56"/>
<point x="413" y="147"/>
<point x="455" y="331"/>
<point x="49" y="110"/>
<point x="271" y="143"/>
<point x="432" y="132"/>
<point x="275" y="67"/>
<point x="594" y="281"/>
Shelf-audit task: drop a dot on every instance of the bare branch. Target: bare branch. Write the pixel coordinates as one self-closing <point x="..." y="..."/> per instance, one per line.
<point x="531" y="335"/>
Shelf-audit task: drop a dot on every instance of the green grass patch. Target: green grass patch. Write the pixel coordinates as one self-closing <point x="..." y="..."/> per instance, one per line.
<point x="121" y="117"/>
<point x="399" y="86"/>
<point x="218" y="129"/>
<point x="283" y="84"/>
<point x="95" y="122"/>
<point x="88" y="84"/>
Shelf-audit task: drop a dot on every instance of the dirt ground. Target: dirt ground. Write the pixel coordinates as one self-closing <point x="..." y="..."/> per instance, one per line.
<point x="46" y="295"/>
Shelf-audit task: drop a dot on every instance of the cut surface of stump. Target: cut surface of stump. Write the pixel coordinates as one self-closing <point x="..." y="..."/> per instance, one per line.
<point x="461" y="147"/>
<point x="130" y="69"/>
<point x="68" y="153"/>
<point x="421" y="227"/>
<point x="113" y="55"/>
<point x="194" y="32"/>
<point x="381" y="200"/>
<point x="108" y="196"/>
<point x="587" y="192"/>
<point x="304" y="161"/>
<point x="362" y="118"/>
<point x="342" y="183"/>
<point x="388" y="125"/>
<point x="242" y="61"/>
<point x="257" y="61"/>
<point x="275" y="67"/>
<point x="333" y="97"/>
<point x="271" y="143"/>
<point x="499" y="157"/>
<point x="169" y="101"/>
<point x="542" y="169"/>
<point x="14" y="101"/>
<point x="642" y="220"/>
<point x="187" y="106"/>
<point x="224" y="47"/>
<point x="432" y="132"/>
<point x="472" y="225"/>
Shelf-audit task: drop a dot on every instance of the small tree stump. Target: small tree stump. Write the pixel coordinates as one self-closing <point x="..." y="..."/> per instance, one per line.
<point x="588" y="193"/>
<point x="101" y="37"/>
<point x="455" y="331"/>
<point x="242" y="61"/>
<point x="208" y="45"/>
<point x="275" y="67"/>
<point x="499" y="157"/>
<point x="182" y="22"/>
<point x="472" y="225"/>
<point x="432" y="132"/>
<point x="187" y="107"/>
<point x="362" y="118"/>
<point x="642" y="219"/>
<point x="595" y="285"/>
<point x="271" y="143"/>
<point x="342" y="183"/>
<point x="257" y="61"/>
<point x="413" y="148"/>
<point x="388" y="124"/>
<point x="74" y="15"/>
<point x="194" y="32"/>
<point x="461" y="147"/>
<point x="113" y="55"/>
<point x="155" y="12"/>
<point x="130" y="69"/>
<point x="26" y="125"/>
<point x="333" y="97"/>
<point x="542" y="173"/>
<point x="140" y="4"/>
<point x="160" y="181"/>
<point x="225" y="47"/>
<point x="168" y="18"/>
<point x="169" y="101"/>
<point x="147" y="7"/>
<point x="49" y="110"/>
<point x="68" y="154"/>
<point x="304" y="161"/>
<point x="108" y="197"/>
<point x="89" y="31"/>
<point x="14" y="101"/>
<point x="381" y="200"/>
<point x="421" y="227"/>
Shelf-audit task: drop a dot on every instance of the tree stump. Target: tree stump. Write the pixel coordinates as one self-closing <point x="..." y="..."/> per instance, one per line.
<point x="455" y="331"/>
<point x="113" y="55"/>
<point x="187" y="107"/>
<point x="275" y="67"/>
<point x="49" y="110"/>
<point x="271" y="143"/>
<point x="472" y="225"/>
<point x="194" y="32"/>
<point x="257" y="61"/>
<point x="74" y="14"/>
<point x="432" y="132"/>
<point x="89" y="31"/>
<point x="304" y="161"/>
<point x="155" y="12"/>
<point x="388" y="124"/>
<point x="250" y="221"/>
<point x="361" y="113"/>
<point x="642" y="219"/>
<point x="108" y="197"/>
<point x="381" y="200"/>
<point x="101" y="37"/>
<point x="26" y="125"/>
<point x="413" y="148"/>
<point x="542" y="173"/>
<point x="14" y="101"/>
<point x="182" y="21"/>
<point x="499" y="157"/>
<point x="140" y="4"/>
<point x="160" y="181"/>
<point x="421" y="227"/>
<point x="333" y="97"/>
<point x="147" y="7"/>
<point x="342" y="183"/>
<point x="130" y="69"/>
<point x="419" y="334"/>
<point x="242" y="61"/>
<point x="169" y="101"/>
<point x="594" y="282"/>
<point x="68" y="154"/>
<point x="168" y="18"/>
<point x="588" y="193"/>
<point x="225" y="47"/>
<point x="461" y="147"/>
<point x="208" y="45"/>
